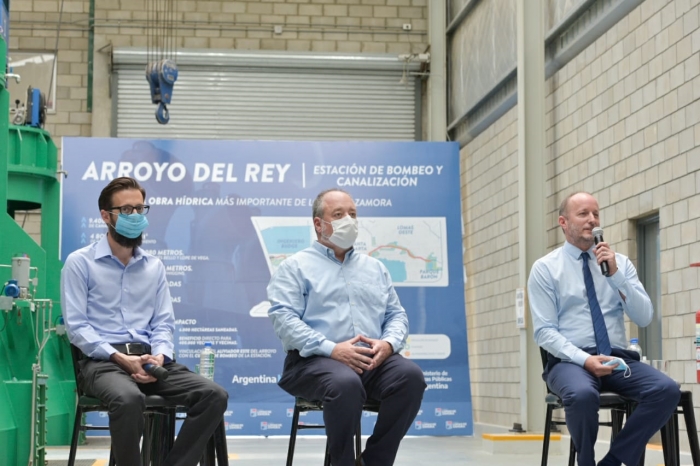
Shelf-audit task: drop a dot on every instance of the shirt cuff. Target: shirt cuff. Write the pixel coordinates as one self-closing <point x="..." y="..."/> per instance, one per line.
<point x="395" y="343"/>
<point x="580" y="357"/>
<point x="326" y="348"/>
<point x="165" y="350"/>
<point x="618" y="279"/>
<point x="103" y="352"/>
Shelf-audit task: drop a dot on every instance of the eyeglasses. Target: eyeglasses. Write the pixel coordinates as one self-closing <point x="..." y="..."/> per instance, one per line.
<point x="129" y="209"/>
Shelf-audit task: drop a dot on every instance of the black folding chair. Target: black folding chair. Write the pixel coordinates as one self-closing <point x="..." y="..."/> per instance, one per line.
<point x="159" y="426"/>
<point x="618" y="405"/>
<point x="669" y="433"/>
<point x="302" y="405"/>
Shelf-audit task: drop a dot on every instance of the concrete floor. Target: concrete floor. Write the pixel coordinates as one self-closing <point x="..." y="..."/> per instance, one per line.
<point x="415" y="451"/>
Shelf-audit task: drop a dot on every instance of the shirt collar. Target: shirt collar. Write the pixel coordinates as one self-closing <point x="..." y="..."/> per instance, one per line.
<point x="102" y="249"/>
<point x="575" y="252"/>
<point x="328" y="252"/>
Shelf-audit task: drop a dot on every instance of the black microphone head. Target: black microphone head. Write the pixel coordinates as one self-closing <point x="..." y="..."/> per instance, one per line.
<point x="598" y="234"/>
<point x="160" y="373"/>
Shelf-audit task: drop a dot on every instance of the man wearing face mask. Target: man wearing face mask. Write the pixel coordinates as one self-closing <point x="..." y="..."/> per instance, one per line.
<point x="342" y="327"/>
<point x="118" y="312"/>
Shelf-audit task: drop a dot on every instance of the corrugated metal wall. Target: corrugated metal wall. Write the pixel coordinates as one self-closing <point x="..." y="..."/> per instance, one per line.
<point x="270" y="99"/>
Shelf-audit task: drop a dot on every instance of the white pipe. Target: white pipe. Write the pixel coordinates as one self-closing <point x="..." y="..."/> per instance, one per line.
<point x="437" y="90"/>
<point x="36" y="368"/>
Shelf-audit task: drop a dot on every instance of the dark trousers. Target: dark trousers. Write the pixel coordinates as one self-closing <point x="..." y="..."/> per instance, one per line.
<point x="398" y="384"/>
<point x="656" y="394"/>
<point x="205" y="402"/>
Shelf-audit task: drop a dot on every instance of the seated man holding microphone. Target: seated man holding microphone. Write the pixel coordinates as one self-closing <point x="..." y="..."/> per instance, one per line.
<point x="118" y="312"/>
<point x="579" y="295"/>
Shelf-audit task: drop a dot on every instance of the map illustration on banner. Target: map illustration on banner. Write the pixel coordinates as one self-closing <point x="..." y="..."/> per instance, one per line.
<point x="225" y="214"/>
<point x="414" y="250"/>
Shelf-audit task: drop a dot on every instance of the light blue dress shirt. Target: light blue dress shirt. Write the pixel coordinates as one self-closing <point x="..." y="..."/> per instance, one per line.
<point x="559" y="306"/>
<point x="105" y="302"/>
<point x="318" y="301"/>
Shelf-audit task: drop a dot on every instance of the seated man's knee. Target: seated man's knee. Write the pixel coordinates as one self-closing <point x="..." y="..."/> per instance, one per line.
<point x="585" y="397"/>
<point x="414" y="380"/>
<point x="128" y="401"/>
<point x="220" y="397"/>
<point x="667" y="390"/>
<point x="345" y="385"/>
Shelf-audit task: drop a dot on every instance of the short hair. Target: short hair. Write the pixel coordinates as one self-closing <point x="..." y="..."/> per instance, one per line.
<point x="116" y="185"/>
<point x="565" y="203"/>
<point x="317" y="209"/>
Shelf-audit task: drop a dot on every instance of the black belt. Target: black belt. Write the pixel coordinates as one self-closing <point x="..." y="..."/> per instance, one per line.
<point x="136" y="349"/>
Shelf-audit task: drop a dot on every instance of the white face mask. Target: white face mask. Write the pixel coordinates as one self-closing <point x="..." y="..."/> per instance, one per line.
<point x="344" y="232"/>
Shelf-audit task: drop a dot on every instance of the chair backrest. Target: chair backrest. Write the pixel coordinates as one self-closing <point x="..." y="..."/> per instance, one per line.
<point x="543" y="356"/>
<point x="76" y="356"/>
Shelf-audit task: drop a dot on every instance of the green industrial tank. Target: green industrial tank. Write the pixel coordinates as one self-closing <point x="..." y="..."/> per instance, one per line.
<point x="37" y="387"/>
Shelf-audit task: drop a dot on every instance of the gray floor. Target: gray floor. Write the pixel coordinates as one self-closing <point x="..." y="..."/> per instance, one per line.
<point x="415" y="451"/>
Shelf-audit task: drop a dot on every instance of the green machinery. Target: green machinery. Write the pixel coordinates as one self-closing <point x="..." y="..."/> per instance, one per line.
<point x="37" y="386"/>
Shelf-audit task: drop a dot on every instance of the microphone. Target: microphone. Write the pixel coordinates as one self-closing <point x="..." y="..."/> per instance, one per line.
<point x="160" y="373"/>
<point x="598" y="238"/>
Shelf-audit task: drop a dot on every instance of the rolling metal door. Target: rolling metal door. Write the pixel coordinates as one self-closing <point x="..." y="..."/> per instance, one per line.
<point x="292" y="98"/>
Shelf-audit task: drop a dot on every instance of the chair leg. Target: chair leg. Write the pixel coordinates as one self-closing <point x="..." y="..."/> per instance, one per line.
<point x="358" y="442"/>
<point x="221" y="447"/>
<point x="690" y="425"/>
<point x="547" y="432"/>
<point x="668" y="443"/>
<point x="572" y="453"/>
<point x="146" y="440"/>
<point x="617" y="417"/>
<point x="76" y="436"/>
<point x="158" y="438"/>
<point x="208" y="459"/>
<point x="676" y="439"/>
<point x="112" y="459"/>
<point x="293" y="436"/>
<point x="164" y="436"/>
<point x="172" y="421"/>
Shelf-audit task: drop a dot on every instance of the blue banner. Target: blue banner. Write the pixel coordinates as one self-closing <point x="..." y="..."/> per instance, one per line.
<point x="225" y="214"/>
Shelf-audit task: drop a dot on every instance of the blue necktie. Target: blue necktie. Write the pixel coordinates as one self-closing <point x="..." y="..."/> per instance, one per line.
<point x="601" y="332"/>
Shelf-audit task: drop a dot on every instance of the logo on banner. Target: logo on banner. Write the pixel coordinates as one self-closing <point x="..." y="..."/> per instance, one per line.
<point x="233" y="426"/>
<point x="422" y="425"/>
<point x="449" y="425"/>
<point x="290" y="412"/>
<point x="445" y="412"/>
<point x="264" y="425"/>
<point x="254" y="412"/>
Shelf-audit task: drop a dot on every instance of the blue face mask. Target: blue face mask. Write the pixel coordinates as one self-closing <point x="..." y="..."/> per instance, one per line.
<point x="132" y="225"/>
<point x="621" y="366"/>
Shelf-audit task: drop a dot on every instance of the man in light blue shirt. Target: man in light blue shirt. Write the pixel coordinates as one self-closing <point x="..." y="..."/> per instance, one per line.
<point x="578" y="318"/>
<point x="342" y="326"/>
<point x="117" y="310"/>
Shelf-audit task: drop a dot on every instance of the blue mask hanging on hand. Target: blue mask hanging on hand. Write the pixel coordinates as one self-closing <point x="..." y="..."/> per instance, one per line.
<point x="621" y="366"/>
<point x="132" y="225"/>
